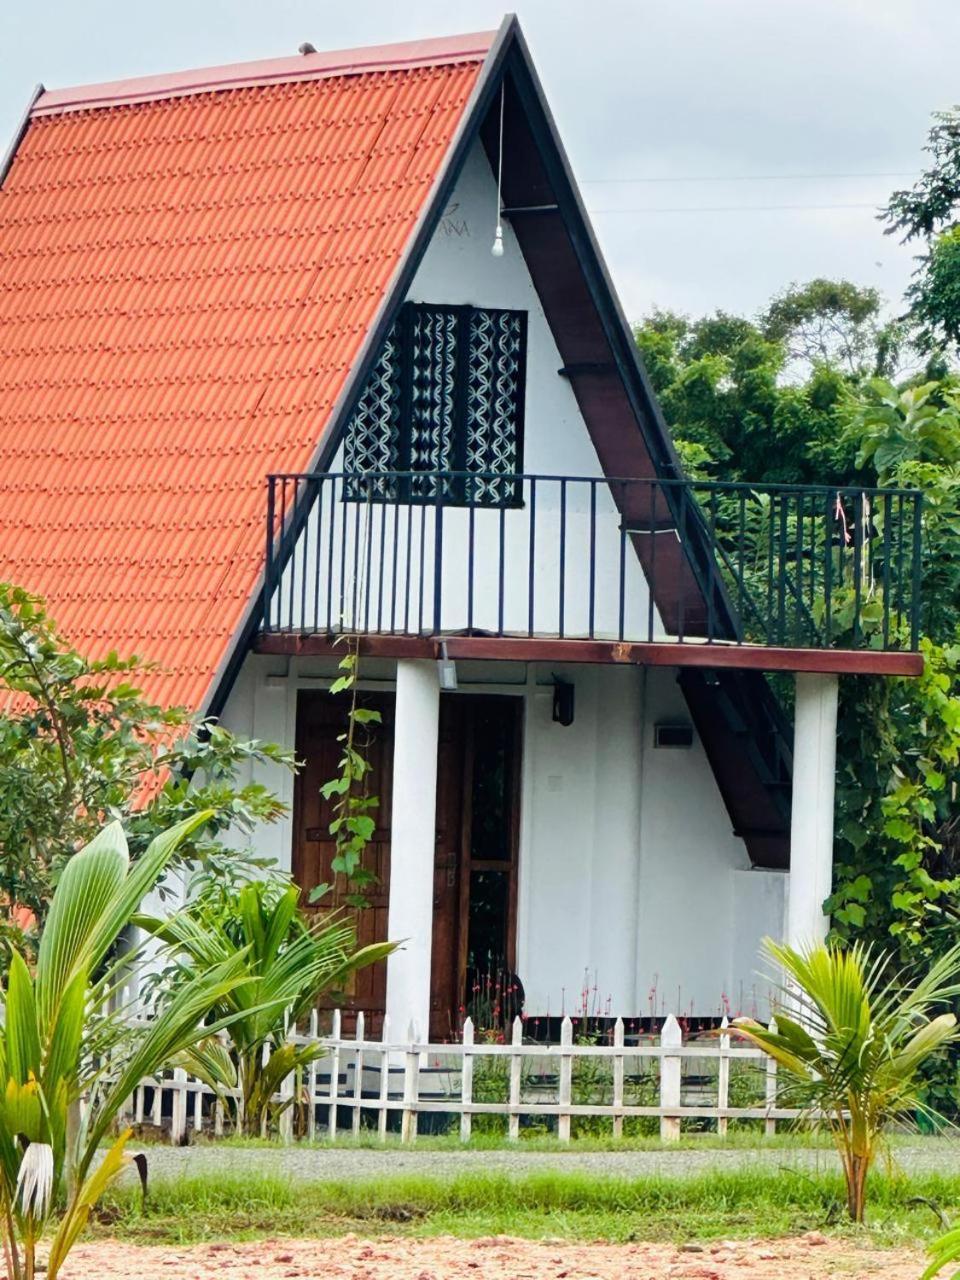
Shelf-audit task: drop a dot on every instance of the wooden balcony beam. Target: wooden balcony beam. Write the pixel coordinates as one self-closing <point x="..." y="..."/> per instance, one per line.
<point x="743" y="657"/>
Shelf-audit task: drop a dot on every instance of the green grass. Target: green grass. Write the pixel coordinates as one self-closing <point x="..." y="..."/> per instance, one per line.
<point x="555" y="1205"/>
<point x="534" y="1141"/>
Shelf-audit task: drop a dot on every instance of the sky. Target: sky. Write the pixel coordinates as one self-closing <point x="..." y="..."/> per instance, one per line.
<point x="725" y="148"/>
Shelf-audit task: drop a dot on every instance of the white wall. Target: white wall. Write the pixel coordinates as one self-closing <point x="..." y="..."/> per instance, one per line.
<point x="458" y="268"/>
<point x="628" y="868"/>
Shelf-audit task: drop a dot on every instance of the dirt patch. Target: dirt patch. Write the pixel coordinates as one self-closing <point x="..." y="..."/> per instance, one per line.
<point x="501" y="1258"/>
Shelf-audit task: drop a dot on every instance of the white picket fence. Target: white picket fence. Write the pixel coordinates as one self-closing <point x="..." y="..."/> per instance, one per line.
<point x="357" y="1084"/>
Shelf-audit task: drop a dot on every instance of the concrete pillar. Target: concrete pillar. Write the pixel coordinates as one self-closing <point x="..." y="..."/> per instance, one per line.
<point x="811" y="819"/>
<point x="412" y="840"/>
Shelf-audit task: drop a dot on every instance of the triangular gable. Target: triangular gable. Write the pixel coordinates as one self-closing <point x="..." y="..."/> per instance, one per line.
<point x="595" y="342"/>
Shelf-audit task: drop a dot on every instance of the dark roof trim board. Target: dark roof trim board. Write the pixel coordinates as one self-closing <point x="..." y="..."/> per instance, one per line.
<point x="21" y="129"/>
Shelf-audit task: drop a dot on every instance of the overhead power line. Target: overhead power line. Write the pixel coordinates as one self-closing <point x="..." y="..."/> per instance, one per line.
<point x="728" y="208"/>
<point x="744" y="177"/>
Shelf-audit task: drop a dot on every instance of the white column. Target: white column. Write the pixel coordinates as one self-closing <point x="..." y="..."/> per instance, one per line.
<point x="811" y="819"/>
<point x="412" y="840"/>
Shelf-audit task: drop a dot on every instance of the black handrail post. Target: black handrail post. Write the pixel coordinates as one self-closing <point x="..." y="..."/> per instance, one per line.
<point x="563" y="553"/>
<point x="916" y="575"/>
<point x="268" y="568"/>
<point x="531" y="558"/>
<point x="653" y="493"/>
<point x="828" y="573"/>
<point x="858" y="552"/>
<point x="438" y="554"/>
<point x="887" y="552"/>
<point x="592" y="604"/>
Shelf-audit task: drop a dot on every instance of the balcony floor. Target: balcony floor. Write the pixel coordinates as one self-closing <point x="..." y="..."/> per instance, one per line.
<point x="658" y="653"/>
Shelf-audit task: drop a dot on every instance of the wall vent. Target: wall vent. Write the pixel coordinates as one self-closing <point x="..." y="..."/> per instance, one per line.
<point x="673" y="735"/>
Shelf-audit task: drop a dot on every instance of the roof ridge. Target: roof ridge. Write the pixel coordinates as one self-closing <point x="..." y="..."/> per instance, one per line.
<point x="404" y="55"/>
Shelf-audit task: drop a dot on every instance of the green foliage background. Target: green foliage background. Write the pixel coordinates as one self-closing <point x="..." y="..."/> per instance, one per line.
<point x="822" y="388"/>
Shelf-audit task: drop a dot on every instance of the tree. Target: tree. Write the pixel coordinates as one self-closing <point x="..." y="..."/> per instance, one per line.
<point x="79" y="743"/>
<point x="927" y="213"/>
<point x="833" y="323"/>
<point x="852" y="1039"/>
<point x="897" y="863"/>
<point x="287" y="965"/>
<point x="56" y="1041"/>
<point x="722" y="384"/>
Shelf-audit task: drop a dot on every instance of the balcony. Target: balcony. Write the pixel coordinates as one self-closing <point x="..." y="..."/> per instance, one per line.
<point x="616" y="562"/>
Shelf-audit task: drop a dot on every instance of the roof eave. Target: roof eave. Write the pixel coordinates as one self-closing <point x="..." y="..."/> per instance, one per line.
<point x="444" y="50"/>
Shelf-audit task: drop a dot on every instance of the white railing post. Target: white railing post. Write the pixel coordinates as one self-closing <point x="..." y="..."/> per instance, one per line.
<point x="178" y="1107"/>
<point x="265" y="1117"/>
<point x="516" y="1076"/>
<point x="411" y="1086"/>
<point x="314" y="1033"/>
<point x="723" y="1077"/>
<point x="218" y="1096"/>
<point x="384" y="1080"/>
<point x="671" y="1037"/>
<point x="618" y="1079"/>
<point x="565" y="1094"/>
<point x="770" y="1125"/>
<point x="156" y="1105"/>
<point x="287" y="1100"/>
<point x="358" y="1075"/>
<point x="466" y="1081"/>
<point x="334" y="1076"/>
<point x="197" y="1105"/>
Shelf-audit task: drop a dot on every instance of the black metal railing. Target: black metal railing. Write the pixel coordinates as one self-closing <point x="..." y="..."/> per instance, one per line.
<point x="407" y="553"/>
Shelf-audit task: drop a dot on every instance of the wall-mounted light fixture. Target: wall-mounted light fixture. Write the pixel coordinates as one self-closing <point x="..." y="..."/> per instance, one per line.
<point x="563" y="701"/>
<point x="446" y="669"/>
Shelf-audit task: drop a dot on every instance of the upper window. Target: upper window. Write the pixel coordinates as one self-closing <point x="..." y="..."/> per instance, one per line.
<point x="446" y="395"/>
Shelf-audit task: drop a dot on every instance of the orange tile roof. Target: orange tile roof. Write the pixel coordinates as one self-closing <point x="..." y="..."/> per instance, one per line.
<point x="187" y="273"/>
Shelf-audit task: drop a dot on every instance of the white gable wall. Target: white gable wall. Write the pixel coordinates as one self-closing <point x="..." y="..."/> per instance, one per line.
<point x="458" y="267"/>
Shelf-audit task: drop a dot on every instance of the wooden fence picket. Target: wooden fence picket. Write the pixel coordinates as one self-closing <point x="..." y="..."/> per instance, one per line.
<point x="671" y="1079"/>
<point x="178" y="1108"/>
<point x="618" y="1079"/>
<point x="334" y="1076"/>
<point x="723" y="1078"/>
<point x="770" y="1127"/>
<point x="411" y="1087"/>
<point x="565" y="1093"/>
<point x="516" y="1078"/>
<point x="466" y="1081"/>
<point x="384" y="1080"/>
<point x="311" y="1086"/>
<point x="358" y="1076"/>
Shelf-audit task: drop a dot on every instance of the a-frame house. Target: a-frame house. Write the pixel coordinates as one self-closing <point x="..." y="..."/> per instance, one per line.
<point x="325" y="346"/>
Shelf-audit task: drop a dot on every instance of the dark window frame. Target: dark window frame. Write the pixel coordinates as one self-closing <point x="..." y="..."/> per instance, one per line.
<point x="470" y="489"/>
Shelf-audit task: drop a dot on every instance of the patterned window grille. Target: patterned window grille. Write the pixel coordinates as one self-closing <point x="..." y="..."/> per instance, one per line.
<point x="446" y="395"/>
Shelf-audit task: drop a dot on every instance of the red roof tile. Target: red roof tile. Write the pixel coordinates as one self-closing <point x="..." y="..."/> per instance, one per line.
<point x="185" y="281"/>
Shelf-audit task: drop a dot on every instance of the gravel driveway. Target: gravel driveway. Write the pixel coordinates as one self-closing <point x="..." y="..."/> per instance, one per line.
<point x="933" y="1155"/>
<point x="498" y="1258"/>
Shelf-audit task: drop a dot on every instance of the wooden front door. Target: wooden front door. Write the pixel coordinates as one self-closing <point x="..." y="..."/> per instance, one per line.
<point x="475" y="871"/>
<point x="321" y="717"/>
<point x="477" y="825"/>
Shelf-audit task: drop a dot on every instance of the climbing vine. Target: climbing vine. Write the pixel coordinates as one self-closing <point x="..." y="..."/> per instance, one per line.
<point x="354" y="807"/>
